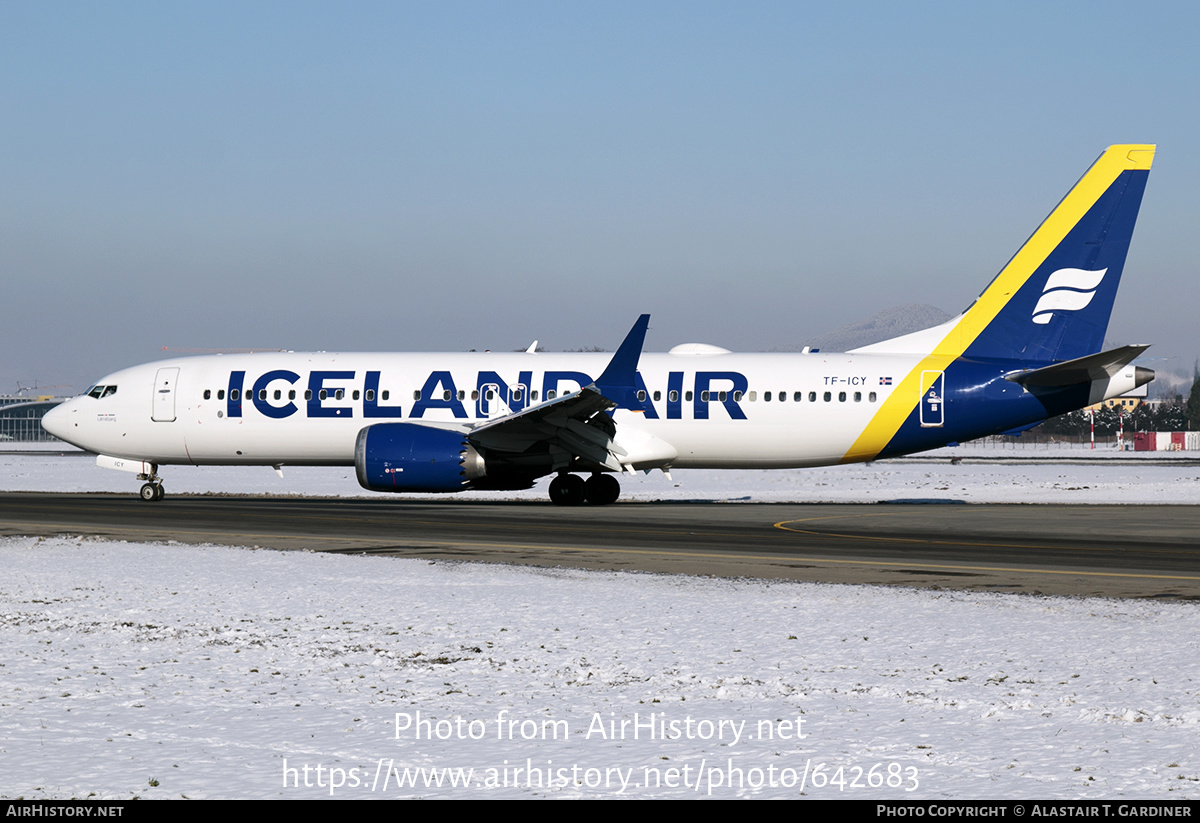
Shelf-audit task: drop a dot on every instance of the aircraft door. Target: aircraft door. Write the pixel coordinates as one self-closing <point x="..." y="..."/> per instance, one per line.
<point x="493" y="402"/>
<point x="164" y="395"/>
<point x="933" y="399"/>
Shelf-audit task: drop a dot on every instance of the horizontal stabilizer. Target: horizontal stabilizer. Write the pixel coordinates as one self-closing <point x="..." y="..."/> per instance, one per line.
<point x="1100" y="366"/>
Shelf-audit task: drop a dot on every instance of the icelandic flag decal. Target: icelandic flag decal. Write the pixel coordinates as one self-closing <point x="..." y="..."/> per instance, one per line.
<point x="885" y="381"/>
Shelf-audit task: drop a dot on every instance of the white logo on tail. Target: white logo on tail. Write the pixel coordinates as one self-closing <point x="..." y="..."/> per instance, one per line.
<point x="1066" y="290"/>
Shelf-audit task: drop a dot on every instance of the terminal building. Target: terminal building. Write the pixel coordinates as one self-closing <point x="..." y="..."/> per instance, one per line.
<point x="21" y="418"/>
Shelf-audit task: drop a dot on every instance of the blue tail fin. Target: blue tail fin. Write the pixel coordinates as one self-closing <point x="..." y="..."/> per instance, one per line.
<point x="1053" y="299"/>
<point x="1050" y="303"/>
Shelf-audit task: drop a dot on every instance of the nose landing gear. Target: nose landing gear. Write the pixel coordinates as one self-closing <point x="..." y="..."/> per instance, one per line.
<point x="152" y="489"/>
<point x="152" y="492"/>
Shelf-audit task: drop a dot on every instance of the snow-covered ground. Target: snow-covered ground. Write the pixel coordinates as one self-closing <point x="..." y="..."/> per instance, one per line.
<point x="206" y="671"/>
<point x="219" y="672"/>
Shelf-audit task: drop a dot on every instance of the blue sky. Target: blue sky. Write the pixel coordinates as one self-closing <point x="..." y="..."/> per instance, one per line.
<point x="444" y="176"/>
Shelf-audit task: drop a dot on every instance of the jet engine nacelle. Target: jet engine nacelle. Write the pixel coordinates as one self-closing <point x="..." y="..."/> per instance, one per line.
<point x="409" y="457"/>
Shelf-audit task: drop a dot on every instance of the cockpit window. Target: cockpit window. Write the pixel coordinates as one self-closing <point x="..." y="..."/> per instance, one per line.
<point x="101" y="391"/>
<point x="109" y="390"/>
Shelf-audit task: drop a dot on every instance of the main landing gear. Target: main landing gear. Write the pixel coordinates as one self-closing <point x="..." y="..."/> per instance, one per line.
<point x="573" y="490"/>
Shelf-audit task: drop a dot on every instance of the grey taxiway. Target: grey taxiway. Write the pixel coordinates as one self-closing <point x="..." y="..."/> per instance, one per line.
<point x="1114" y="551"/>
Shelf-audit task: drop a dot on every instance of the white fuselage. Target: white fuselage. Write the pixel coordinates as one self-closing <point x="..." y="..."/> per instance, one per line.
<point x="713" y="409"/>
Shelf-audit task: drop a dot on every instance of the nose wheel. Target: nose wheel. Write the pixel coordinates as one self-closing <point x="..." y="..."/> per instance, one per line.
<point x="152" y="492"/>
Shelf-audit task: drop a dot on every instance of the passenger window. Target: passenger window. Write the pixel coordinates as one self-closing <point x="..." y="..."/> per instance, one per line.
<point x="782" y="396"/>
<point x="235" y="395"/>
<point x="355" y="395"/>
<point x="262" y="394"/>
<point x="323" y="395"/>
<point x="370" y="395"/>
<point x="446" y="394"/>
<point x="550" y="395"/>
<point x="753" y="396"/>
<point x="737" y="396"/>
<point x="308" y="394"/>
<point x="688" y="396"/>
<point x="339" y="394"/>
<point x="703" y="397"/>
<point x="798" y="396"/>
<point x="766" y="397"/>
<point x="385" y="394"/>
<point x="208" y="394"/>
<point x="721" y="396"/>
<point x="828" y="397"/>
<point x="417" y="394"/>
<point x="278" y="394"/>
<point x="858" y="397"/>
<point x="841" y="397"/>
<point x="812" y="397"/>
<point x="641" y="396"/>
<point x="871" y="397"/>
<point x="657" y="396"/>
<point x="220" y="394"/>
<point x="673" y="396"/>
<point x="291" y="394"/>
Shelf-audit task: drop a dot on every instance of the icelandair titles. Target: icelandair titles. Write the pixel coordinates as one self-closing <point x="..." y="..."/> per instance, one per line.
<point x="330" y="393"/>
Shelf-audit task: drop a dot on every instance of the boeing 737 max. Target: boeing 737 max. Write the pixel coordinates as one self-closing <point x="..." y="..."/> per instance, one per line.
<point x="1027" y="349"/>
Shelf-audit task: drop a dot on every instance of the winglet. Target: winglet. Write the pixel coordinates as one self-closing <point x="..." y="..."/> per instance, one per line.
<point x="618" y="383"/>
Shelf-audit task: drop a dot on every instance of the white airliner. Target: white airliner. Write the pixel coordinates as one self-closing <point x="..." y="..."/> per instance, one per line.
<point x="1027" y="349"/>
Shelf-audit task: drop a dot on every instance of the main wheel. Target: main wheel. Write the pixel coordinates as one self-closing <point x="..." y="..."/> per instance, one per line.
<point x="567" y="490"/>
<point x="150" y="492"/>
<point x="602" y="489"/>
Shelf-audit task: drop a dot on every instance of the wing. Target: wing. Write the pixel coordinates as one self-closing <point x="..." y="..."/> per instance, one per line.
<point x="576" y="425"/>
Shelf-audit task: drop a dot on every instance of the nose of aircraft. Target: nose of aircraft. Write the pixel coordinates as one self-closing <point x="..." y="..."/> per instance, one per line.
<point x="56" y="421"/>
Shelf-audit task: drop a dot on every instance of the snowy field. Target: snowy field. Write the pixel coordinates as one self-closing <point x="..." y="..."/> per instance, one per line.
<point x="165" y="671"/>
<point x="219" y="672"/>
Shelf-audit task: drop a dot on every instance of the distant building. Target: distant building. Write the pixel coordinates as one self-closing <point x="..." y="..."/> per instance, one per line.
<point x="21" y="417"/>
<point x="1126" y="402"/>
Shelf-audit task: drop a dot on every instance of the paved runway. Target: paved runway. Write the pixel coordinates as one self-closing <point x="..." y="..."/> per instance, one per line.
<point x="1119" y="551"/>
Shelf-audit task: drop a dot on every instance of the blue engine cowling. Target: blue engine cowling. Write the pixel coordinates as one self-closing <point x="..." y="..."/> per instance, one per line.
<point x="409" y="457"/>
